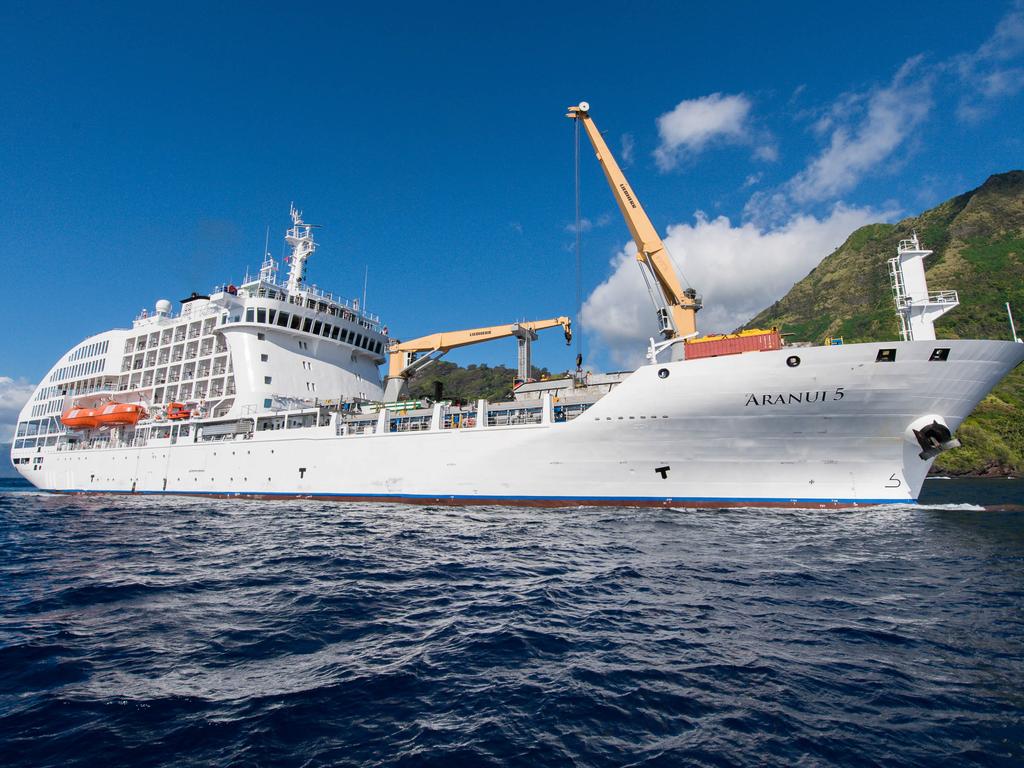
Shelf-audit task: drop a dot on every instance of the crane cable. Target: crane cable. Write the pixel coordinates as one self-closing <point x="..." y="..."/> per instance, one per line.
<point x="579" y="247"/>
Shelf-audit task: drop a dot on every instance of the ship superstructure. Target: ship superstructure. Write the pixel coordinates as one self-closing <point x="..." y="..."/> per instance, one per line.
<point x="273" y="389"/>
<point x="296" y="342"/>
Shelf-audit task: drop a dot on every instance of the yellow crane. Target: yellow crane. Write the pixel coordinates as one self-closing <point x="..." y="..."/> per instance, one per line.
<point x="407" y="357"/>
<point x="677" y="315"/>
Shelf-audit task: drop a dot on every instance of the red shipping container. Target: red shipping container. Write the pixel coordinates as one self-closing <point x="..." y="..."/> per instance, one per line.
<point x="715" y="346"/>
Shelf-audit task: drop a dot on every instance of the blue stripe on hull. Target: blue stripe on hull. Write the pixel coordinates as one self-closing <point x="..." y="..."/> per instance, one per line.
<point x="509" y="500"/>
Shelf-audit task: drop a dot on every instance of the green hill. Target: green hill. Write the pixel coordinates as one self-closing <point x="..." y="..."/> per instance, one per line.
<point x="978" y="239"/>
<point x="469" y="383"/>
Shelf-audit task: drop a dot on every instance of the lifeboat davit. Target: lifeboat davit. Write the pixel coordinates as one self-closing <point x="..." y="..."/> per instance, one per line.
<point x="177" y="411"/>
<point x="80" y="418"/>
<point x="119" y="414"/>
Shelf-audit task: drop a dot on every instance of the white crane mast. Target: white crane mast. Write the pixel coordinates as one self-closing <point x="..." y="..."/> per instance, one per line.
<point x="917" y="307"/>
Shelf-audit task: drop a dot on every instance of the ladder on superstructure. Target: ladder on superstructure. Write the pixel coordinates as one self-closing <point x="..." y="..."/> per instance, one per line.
<point x="899" y="295"/>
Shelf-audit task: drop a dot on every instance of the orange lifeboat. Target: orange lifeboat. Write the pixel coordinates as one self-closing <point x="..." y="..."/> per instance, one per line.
<point x="177" y="411"/>
<point x="79" y="418"/>
<point x="119" y="414"/>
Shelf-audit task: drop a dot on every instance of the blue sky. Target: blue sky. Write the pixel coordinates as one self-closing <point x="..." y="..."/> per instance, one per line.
<point x="144" y="151"/>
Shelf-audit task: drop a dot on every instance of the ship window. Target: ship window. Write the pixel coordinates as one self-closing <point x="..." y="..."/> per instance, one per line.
<point x="267" y="379"/>
<point x="261" y="337"/>
<point x="939" y="354"/>
<point x="268" y="402"/>
<point x="380" y="346"/>
<point x="249" y="314"/>
<point x="358" y="341"/>
<point x="307" y="324"/>
<point x="316" y="327"/>
<point x="334" y="333"/>
<point x="366" y="342"/>
<point x="282" y="319"/>
<point x="271" y="316"/>
<point x="327" y="329"/>
<point x="264" y="358"/>
<point x="886" y="356"/>
<point x="261" y="315"/>
<point x="296" y="322"/>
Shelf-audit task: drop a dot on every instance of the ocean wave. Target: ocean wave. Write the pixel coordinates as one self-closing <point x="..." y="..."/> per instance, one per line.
<point x="156" y="631"/>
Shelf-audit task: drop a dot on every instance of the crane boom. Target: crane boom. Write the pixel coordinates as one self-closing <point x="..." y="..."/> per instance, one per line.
<point x="404" y="356"/>
<point x="678" y="318"/>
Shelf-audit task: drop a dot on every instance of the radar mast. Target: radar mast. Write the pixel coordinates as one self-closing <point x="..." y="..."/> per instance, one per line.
<point x="300" y="238"/>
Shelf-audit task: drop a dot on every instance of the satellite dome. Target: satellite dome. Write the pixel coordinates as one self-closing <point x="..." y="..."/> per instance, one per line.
<point x="163" y="307"/>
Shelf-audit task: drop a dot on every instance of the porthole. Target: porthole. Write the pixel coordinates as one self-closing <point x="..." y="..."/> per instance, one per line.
<point x="792" y="361"/>
<point x="663" y="373"/>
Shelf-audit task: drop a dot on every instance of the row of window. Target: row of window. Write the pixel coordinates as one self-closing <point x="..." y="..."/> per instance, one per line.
<point x="78" y="369"/>
<point x="44" y="408"/>
<point x="34" y="442"/>
<point x="96" y="348"/>
<point x="82" y="387"/>
<point x="45" y="393"/>
<point x="48" y="426"/>
<point x="316" y="327"/>
<point x="317" y="306"/>
<point x="175" y="334"/>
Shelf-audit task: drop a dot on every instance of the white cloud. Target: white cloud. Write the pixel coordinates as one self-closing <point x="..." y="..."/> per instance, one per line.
<point x="989" y="73"/>
<point x="864" y="134"/>
<point x="694" y="123"/>
<point x="870" y="130"/>
<point x="588" y="224"/>
<point x="739" y="270"/>
<point x="585" y="226"/>
<point x="13" y="395"/>
<point x="753" y="179"/>
<point x="628" y="147"/>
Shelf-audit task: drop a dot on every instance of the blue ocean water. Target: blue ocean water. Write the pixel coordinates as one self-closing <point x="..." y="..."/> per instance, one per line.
<point x="160" y="631"/>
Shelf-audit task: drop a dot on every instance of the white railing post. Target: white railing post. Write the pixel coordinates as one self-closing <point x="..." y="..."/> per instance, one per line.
<point x="545" y="413"/>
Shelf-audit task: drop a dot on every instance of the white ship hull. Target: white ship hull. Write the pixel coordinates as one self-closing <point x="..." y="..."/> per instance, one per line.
<point x="748" y="429"/>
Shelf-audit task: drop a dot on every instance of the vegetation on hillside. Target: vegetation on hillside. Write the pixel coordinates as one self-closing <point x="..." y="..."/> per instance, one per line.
<point x="978" y="239"/>
<point x="469" y="383"/>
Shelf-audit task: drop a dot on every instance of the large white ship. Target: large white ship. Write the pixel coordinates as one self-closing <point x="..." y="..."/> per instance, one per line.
<point x="273" y="389"/>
